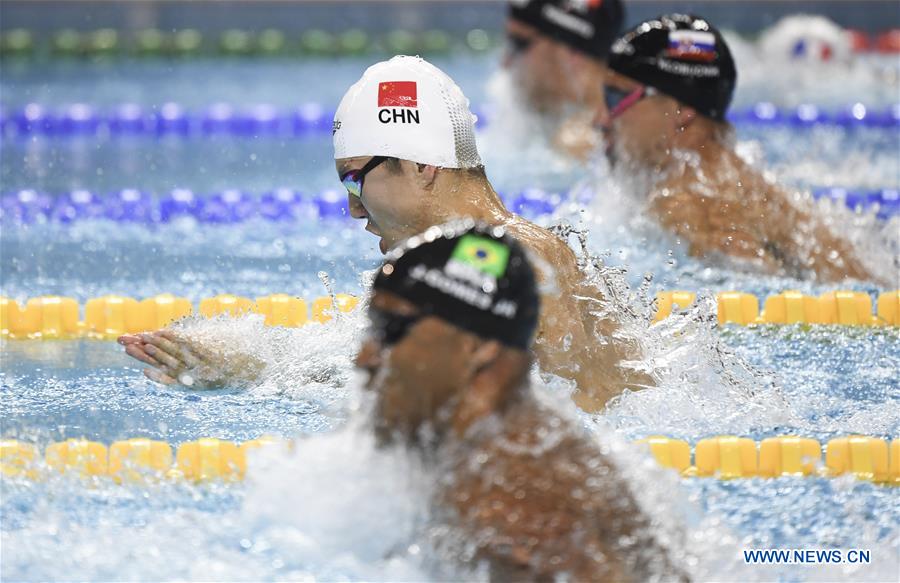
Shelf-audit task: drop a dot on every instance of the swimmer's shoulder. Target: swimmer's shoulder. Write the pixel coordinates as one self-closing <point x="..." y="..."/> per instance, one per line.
<point x="543" y="243"/>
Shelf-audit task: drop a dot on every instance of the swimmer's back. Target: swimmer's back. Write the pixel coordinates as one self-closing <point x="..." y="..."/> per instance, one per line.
<point x="544" y="501"/>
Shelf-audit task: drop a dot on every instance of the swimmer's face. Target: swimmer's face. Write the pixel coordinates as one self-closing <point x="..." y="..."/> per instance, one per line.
<point x="391" y="200"/>
<point x="549" y="73"/>
<point x="415" y="378"/>
<point x="641" y="136"/>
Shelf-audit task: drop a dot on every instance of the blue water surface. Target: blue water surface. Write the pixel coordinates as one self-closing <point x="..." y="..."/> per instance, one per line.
<point x="823" y="382"/>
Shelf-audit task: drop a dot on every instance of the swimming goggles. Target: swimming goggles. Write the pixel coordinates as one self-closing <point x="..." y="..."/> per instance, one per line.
<point x="390" y="328"/>
<point x="517" y="44"/>
<point x="618" y="101"/>
<point x="353" y="180"/>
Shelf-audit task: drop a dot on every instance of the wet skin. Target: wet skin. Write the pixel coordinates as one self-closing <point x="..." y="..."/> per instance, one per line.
<point x="566" y="342"/>
<point x="543" y="70"/>
<point x="399" y="202"/>
<point x="418" y="376"/>
<point x="390" y="202"/>
<point x="703" y="192"/>
<point x="559" y="83"/>
<point x="173" y="358"/>
<point x="540" y="499"/>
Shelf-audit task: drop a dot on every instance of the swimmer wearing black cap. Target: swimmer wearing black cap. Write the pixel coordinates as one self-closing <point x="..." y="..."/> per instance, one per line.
<point x="670" y="84"/>
<point x="453" y="314"/>
<point x="556" y="53"/>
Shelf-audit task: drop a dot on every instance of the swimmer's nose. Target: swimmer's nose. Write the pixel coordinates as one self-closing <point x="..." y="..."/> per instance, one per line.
<point x="357" y="210"/>
<point x="369" y="357"/>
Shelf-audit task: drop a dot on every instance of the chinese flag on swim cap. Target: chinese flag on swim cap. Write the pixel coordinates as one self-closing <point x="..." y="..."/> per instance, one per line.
<point x="397" y="94"/>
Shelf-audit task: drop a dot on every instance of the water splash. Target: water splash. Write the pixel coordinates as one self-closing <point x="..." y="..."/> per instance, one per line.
<point x="312" y="363"/>
<point x="701" y="382"/>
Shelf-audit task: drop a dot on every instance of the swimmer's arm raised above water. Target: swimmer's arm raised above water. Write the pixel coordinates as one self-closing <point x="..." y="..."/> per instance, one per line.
<point x="174" y="358"/>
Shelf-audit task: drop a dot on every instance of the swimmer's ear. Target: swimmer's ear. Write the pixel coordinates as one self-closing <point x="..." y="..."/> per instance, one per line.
<point x="425" y="175"/>
<point x="485" y="354"/>
<point x="486" y="388"/>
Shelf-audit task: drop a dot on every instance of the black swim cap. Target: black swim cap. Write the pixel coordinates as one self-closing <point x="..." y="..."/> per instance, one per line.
<point x="470" y="275"/>
<point x="586" y="25"/>
<point x="682" y="56"/>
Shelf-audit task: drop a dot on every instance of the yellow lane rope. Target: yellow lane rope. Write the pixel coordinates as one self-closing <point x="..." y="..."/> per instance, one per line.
<point x="723" y="457"/>
<point x="55" y="317"/>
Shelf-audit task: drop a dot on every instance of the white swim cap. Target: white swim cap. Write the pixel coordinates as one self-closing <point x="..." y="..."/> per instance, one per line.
<point x="806" y="39"/>
<point x="409" y="109"/>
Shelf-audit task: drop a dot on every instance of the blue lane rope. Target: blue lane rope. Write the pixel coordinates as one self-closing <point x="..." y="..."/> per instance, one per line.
<point x="284" y="204"/>
<point x="172" y="119"/>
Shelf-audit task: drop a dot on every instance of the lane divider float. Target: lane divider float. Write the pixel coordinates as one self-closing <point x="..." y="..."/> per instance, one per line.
<point x="269" y="42"/>
<point x="273" y="42"/>
<point x="132" y="460"/>
<point x="231" y="206"/>
<point x="173" y="119"/>
<point x="209" y="459"/>
<point x="105" y="318"/>
<point x="729" y="457"/>
<point x="847" y="308"/>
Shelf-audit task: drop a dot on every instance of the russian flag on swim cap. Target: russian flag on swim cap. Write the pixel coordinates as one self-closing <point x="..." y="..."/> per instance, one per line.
<point x="692" y="45"/>
<point x="680" y="55"/>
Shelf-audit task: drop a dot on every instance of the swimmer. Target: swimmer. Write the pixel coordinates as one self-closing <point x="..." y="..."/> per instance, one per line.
<point x="669" y="86"/>
<point x="556" y="54"/>
<point x="808" y="40"/>
<point x="404" y="144"/>
<point x="404" y="175"/>
<point x="522" y="489"/>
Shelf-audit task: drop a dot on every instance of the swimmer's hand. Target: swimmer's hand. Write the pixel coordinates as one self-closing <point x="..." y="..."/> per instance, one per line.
<point x="176" y="359"/>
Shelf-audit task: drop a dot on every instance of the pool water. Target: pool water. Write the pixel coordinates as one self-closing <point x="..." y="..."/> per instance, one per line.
<point x="335" y="507"/>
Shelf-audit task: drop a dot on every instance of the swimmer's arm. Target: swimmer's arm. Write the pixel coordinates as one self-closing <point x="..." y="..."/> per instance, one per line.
<point x="810" y="245"/>
<point x="576" y="344"/>
<point x="175" y="359"/>
<point x="561" y="341"/>
<point x="564" y="348"/>
<point x="711" y="225"/>
<point x="685" y="214"/>
<point x="766" y="229"/>
<point x="797" y="242"/>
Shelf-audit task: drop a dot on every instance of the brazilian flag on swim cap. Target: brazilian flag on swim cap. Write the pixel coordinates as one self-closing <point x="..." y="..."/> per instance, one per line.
<point x="485" y="255"/>
<point x="446" y="273"/>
